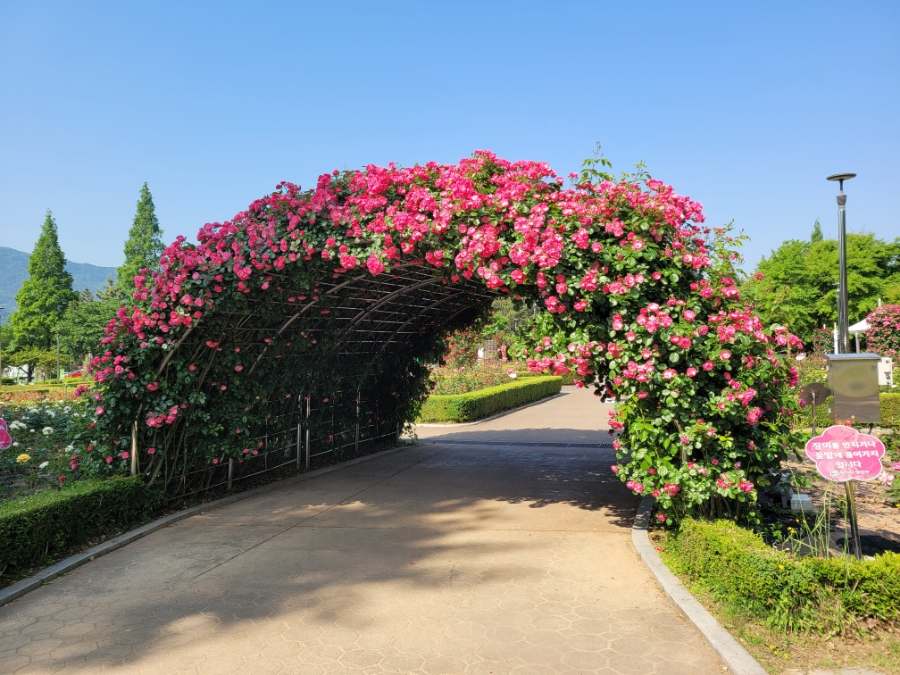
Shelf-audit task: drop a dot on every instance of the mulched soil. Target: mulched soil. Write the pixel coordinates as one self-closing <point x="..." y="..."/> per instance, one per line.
<point x="877" y="514"/>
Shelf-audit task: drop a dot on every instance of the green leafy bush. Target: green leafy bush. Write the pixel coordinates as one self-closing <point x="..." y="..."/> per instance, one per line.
<point x="48" y="523"/>
<point x="817" y="595"/>
<point x="479" y="404"/>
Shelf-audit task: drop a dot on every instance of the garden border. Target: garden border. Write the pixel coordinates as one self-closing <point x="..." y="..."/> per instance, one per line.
<point x="733" y="655"/>
<point x="15" y="591"/>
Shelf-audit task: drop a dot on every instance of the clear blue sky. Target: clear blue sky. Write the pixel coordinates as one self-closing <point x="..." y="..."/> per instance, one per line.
<point x="745" y="107"/>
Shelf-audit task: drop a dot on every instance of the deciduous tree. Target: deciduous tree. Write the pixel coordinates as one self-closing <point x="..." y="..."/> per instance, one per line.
<point x="796" y="285"/>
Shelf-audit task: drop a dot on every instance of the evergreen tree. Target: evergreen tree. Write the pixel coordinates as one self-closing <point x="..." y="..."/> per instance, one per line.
<point x="144" y="245"/>
<point x="816" y="235"/>
<point x="44" y="296"/>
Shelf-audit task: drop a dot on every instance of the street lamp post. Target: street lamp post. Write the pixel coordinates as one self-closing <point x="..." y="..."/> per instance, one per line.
<point x="844" y="333"/>
<point x="843" y="318"/>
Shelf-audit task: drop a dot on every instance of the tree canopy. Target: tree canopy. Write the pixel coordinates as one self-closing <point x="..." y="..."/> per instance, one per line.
<point x="144" y="245"/>
<point x="83" y="324"/>
<point x="796" y="286"/>
<point x="46" y="293"/>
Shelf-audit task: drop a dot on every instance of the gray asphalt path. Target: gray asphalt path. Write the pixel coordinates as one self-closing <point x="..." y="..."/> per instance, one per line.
<point x="446" y="557"/>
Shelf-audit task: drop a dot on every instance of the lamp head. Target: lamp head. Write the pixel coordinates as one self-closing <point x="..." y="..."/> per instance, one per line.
<point x="841" y="177"/>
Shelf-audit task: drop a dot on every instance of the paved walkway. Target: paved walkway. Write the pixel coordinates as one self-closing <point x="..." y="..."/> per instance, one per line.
<point x="442" y="558"/>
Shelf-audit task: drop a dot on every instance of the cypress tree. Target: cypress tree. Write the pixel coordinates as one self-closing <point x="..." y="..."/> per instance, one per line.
<point x="144" y="245"/>
<point x="816" y="233"/>
<point x="46" y="293"/>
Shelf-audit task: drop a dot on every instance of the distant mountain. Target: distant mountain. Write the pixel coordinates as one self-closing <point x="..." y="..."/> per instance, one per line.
<point x="14" y="270"/>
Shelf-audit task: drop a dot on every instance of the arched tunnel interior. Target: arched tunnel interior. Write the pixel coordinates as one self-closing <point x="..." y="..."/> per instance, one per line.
<point x="318" y="368"/>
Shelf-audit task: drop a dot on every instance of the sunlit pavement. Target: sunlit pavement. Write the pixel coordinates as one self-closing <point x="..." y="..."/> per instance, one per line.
<point x="446" y="557"/>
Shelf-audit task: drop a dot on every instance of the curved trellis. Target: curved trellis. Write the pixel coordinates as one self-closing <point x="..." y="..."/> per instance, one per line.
<point x="322" y="308"/>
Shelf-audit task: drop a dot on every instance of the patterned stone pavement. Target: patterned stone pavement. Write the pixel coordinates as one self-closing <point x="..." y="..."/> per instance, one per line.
<point x="442" y="558"/>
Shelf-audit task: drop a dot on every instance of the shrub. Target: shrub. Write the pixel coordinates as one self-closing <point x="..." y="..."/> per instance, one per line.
<point x="479" y="404"/>
<point x="47" y="524"/>
<point x="818" y="595"/>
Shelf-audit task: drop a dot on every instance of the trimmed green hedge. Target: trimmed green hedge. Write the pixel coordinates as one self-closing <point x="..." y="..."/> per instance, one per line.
<point x="818" y="595"/>
<point x="890" y="412"/>
<point x="48" y="523"/>
<point x="483" y="403"/>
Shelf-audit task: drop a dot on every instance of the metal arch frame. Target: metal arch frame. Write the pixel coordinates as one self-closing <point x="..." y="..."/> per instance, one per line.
<point x="386" y="299"/>
<point x="359" y="316"/>
<point x="283" y="327"/>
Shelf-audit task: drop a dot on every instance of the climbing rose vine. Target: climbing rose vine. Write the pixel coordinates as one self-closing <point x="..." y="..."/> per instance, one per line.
<point x="636" y="296"/>
<point x="883" y="336"/>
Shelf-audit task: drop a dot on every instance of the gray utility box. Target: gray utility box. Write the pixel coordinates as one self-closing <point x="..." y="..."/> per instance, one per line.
<point x="854" y="380"/>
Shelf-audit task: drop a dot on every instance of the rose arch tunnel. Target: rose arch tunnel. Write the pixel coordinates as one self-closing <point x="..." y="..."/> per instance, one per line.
<point x="306" y="324"/>
<point x="309" y="375"/>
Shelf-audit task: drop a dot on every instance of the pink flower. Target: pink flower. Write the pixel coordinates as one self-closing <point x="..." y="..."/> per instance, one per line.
<point x="725" y="355"/>
<point x="124" y="455"/>
<point x="99" y="410"/>
<point x="239" y="368"/>
<point x="708" y="366"/>
<point x="661" y="517"/>
<point x="374" y="264"/>
<point x="109" y="459"/>
<point x="153" y="386"/>
<point x="691" y="372"/>
<point x="668" y="374"/>
<point x="151" y="451"/>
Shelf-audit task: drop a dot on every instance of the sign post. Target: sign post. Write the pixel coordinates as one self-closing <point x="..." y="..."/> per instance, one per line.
<point x="815" y="393"/>
<point x="843" y="455"/>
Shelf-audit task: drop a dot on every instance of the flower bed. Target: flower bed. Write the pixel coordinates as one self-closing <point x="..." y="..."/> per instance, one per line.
<point x="48" y="447"/>
<point x="449" y="380"/>
<point x="486" y="402"/>
<point x="43" y="525"/>
<point x="806" y="595"/>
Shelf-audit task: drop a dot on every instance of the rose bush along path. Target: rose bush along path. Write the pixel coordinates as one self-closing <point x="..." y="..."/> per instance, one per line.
<point x="633" y="289"/>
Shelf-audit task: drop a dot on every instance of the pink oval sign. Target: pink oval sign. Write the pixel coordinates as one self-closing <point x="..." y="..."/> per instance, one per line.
<point x="5" y="438"/>
<point x="842" y="454"/>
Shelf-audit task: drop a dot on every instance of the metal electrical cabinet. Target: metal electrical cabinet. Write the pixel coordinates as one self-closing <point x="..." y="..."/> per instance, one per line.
<point x="854" y="380"/>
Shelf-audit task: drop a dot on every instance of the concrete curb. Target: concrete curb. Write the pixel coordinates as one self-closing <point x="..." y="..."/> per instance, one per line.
<point x="735" y="657"/>
<point x="17" y="590"/>
<point x="453" y="425"/>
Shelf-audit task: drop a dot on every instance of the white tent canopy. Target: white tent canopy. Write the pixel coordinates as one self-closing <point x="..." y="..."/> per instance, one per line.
<point x="860" y="327"/>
